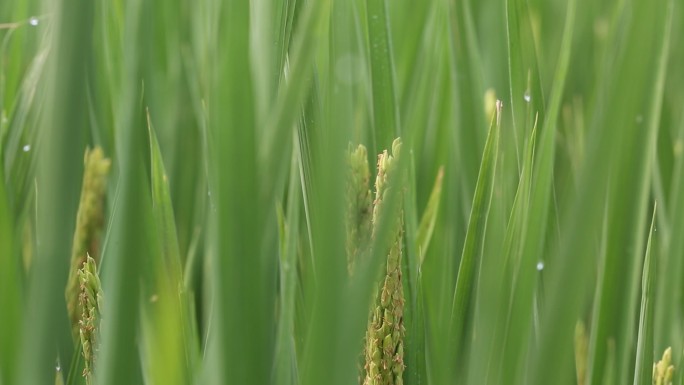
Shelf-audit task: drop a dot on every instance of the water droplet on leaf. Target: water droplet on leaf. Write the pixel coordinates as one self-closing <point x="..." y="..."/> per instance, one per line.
<point x="527" y="96"/>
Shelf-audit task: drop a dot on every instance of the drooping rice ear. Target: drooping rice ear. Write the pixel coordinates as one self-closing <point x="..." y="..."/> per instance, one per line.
<point x="384" y="350"/>
<point x="89" y="223"/>
<point x="359" y="205"/>
<point x="90" y="301"/>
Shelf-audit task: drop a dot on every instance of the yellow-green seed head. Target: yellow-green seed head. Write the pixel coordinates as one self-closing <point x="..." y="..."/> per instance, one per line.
<point x="385" y="334"/>
<point x="89" y="223"/>
<point x="581" y="348"/>
<point x="663" y="370"/>
<point x="489" y="103"/>
<point x="358" y="205"/>
<point x="90" y="301"/>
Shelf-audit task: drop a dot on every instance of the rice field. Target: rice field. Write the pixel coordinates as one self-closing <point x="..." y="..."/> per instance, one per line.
<point x="364" y="192"/>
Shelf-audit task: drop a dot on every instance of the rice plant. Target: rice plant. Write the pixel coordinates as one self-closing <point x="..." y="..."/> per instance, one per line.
<point x="246" y="214"/>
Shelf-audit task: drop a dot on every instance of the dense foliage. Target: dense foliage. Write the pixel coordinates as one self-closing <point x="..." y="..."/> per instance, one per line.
<point x="225" y="228"/>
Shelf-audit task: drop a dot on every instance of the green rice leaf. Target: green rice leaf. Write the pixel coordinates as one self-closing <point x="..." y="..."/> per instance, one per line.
<point x="385" y="112"/>
<point x="11" y="292"/>
<point x="475" y="236"/>
<point x="427" y="221"/>
<point x="643" y="373"/>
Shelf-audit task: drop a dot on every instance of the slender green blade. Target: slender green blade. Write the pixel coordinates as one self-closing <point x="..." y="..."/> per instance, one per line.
<point x="242" y="272"/>
<point x="292" y="92"/>
<point x="385" y="112"/>
<point x="617" y="168"/>
<point x="45" y="334"/>
<point x="498" y="361"/>
<point x="475" y="236"/>
<point x="429" y="217"/>
<point x="667" y="332"/>
<point x="129" y="238"/>
<point x="11" y="292"/>
<point x="163" y="210"/>
<point x="126" y="256"/>
<point x="531" y="247"/>
<point x="285" y="371"/>
<point x="467" y="87"/>
<point x="527" y="98"/>
<point x="608" y="308"/>
<point x="169" y="308"/>
<point x="643" y="373"/>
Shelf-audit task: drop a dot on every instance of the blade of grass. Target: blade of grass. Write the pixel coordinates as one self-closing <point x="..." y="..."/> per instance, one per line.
<point x="625" y="163"/>
<point x="59" y="165"/>
<point x="285" y="20"/>
<point x="472" y="249"/>
<point x="411" y="27"/>
<point x="163" y="209"/>
<point x="419" y="99"/>
<point x="11" y="292"/>
<point x="75" y="372"/>
<point x="128" y="241"/>
<point x="466" y="79"/>
<point x="292" y="93"/>
<point x="532" y="234"/>
<point x="523" y="67"/>
<point x="328" y="151"/>
<point x="173" y="311"/>
<point x="413" y="311"/>
<point x="22" y="135"/>
<point x="511" y="245"/>
<point x="671" y="267"/>
<point x="385" y="113"/>
<point x="241" y="274"/>
<point x="285" y="371"/>
<point x="427" y="221"/>
<point x="668" y="332"/>
<point x="610" y="309"/>
<point x="126" y="255"/>
<point x="643" y="372"/>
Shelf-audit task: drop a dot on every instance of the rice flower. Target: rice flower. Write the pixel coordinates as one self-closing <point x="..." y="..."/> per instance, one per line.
<point x="359" y="205"/>
<point x="663" y="371"/>
<point x="581" y="352"/>
<point x="90" y="300"/>
<point x="89" y="223"/>
<point x="384" y="354"/>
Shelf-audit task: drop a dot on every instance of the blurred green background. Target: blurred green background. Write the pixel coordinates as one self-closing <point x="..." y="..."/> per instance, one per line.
<point x="228" y="124"/>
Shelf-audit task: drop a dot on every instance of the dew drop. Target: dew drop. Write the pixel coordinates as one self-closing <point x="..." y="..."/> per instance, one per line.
<point x="58" y="368"/>
<point x="540" y="266"/>
<point x="527" y="96"/>
<point x="26" y="148"/>
<point x="33" y="21"/>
